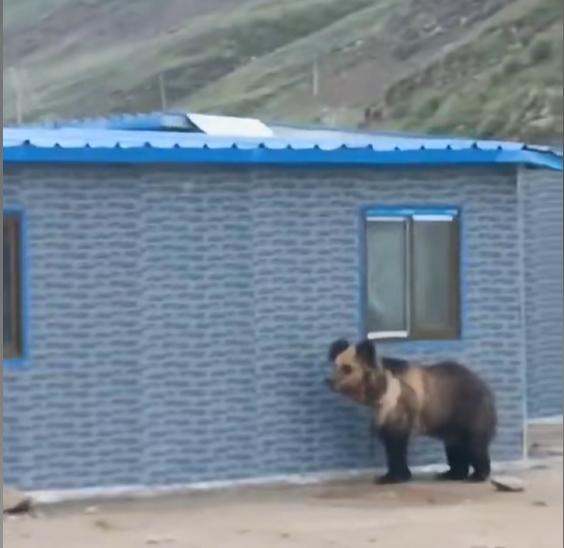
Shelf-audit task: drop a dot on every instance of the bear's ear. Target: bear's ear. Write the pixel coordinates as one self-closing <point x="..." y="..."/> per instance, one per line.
<point x="366" y="353"/>
<point x="337" y="347"/>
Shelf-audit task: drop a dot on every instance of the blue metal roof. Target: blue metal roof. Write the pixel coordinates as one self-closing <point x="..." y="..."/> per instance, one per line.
<point x="171" y="121"/>
<point x="147" y="140"/>
<point x="135" y="122"/>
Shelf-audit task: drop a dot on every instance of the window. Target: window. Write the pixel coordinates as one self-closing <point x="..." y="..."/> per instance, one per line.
<point x="12" y="347"/>
<point x="412" y="280"/>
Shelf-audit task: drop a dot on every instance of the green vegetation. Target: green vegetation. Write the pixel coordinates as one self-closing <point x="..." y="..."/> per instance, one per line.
<point x="482" y="67"/>
<point x="18" y="14"/>
<point x="508" y="81"/>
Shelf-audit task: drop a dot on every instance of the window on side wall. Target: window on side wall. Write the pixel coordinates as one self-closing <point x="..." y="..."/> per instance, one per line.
<point x="12" y="347"/>
<point x="412" y="273"/>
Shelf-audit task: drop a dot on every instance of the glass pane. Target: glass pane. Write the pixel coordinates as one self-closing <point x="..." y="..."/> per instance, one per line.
<point x="385" y="271"/>
<point x="8" y="295"/>
<point x="435" y="277"/>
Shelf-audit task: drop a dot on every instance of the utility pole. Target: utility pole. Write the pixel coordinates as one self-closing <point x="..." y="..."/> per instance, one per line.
<point x="315" y="78"/>
<point x="16" y="83"/>
<point x="162" y="90"/>
<point x="28" y="90"/>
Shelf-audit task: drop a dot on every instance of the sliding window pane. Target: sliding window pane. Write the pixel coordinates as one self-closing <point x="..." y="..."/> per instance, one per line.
<point x="435" y="279"/>
<point x="386" y="276"/>
<point x="11" y="304"/>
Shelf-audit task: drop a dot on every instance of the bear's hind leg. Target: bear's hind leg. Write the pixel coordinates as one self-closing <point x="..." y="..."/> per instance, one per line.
<point x="458" y="462"/>
<point x="480" y="460"/>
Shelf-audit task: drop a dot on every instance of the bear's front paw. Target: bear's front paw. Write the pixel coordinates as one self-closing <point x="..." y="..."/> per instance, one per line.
<point x="393" y="477"/>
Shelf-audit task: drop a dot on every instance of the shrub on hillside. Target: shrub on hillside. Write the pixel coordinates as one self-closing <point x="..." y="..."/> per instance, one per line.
<point x="541" y="50"/>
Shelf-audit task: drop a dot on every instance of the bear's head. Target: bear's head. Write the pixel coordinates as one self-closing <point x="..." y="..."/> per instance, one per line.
<point x="355" y="368"/>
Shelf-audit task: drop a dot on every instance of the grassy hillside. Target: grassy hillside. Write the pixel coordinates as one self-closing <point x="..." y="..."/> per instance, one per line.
<point x="483" y="67"/>
<point x="506" y="80"/>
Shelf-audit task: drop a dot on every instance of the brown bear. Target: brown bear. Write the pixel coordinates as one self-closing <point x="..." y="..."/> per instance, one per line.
<point x="445" y="401"/>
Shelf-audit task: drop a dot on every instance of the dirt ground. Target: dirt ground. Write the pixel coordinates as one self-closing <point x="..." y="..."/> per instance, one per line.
<point x="347" y="514"/>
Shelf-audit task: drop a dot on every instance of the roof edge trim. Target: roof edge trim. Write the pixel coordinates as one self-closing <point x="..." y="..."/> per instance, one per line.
<point x="21" y="154"/>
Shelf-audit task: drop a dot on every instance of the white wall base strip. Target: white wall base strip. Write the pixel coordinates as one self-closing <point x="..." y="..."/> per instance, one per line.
<point x="137" y="491"/>
<point x="555" y="419"/>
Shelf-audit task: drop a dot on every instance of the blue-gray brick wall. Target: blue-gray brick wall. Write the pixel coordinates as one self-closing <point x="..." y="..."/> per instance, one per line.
<point x="180" y="319"/>
<point x="541" y="193"/>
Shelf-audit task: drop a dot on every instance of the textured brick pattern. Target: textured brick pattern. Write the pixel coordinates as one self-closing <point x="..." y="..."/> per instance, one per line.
<point x="180" y="320"/>
<point x="541" y="193"/>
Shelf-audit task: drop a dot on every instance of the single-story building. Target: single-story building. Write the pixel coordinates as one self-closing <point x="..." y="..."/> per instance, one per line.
<point x="172" y="283"/>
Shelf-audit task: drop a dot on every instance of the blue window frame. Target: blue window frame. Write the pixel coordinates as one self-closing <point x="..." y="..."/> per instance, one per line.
<point x="411" y="275"/>
<point x="14" y="314"/>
